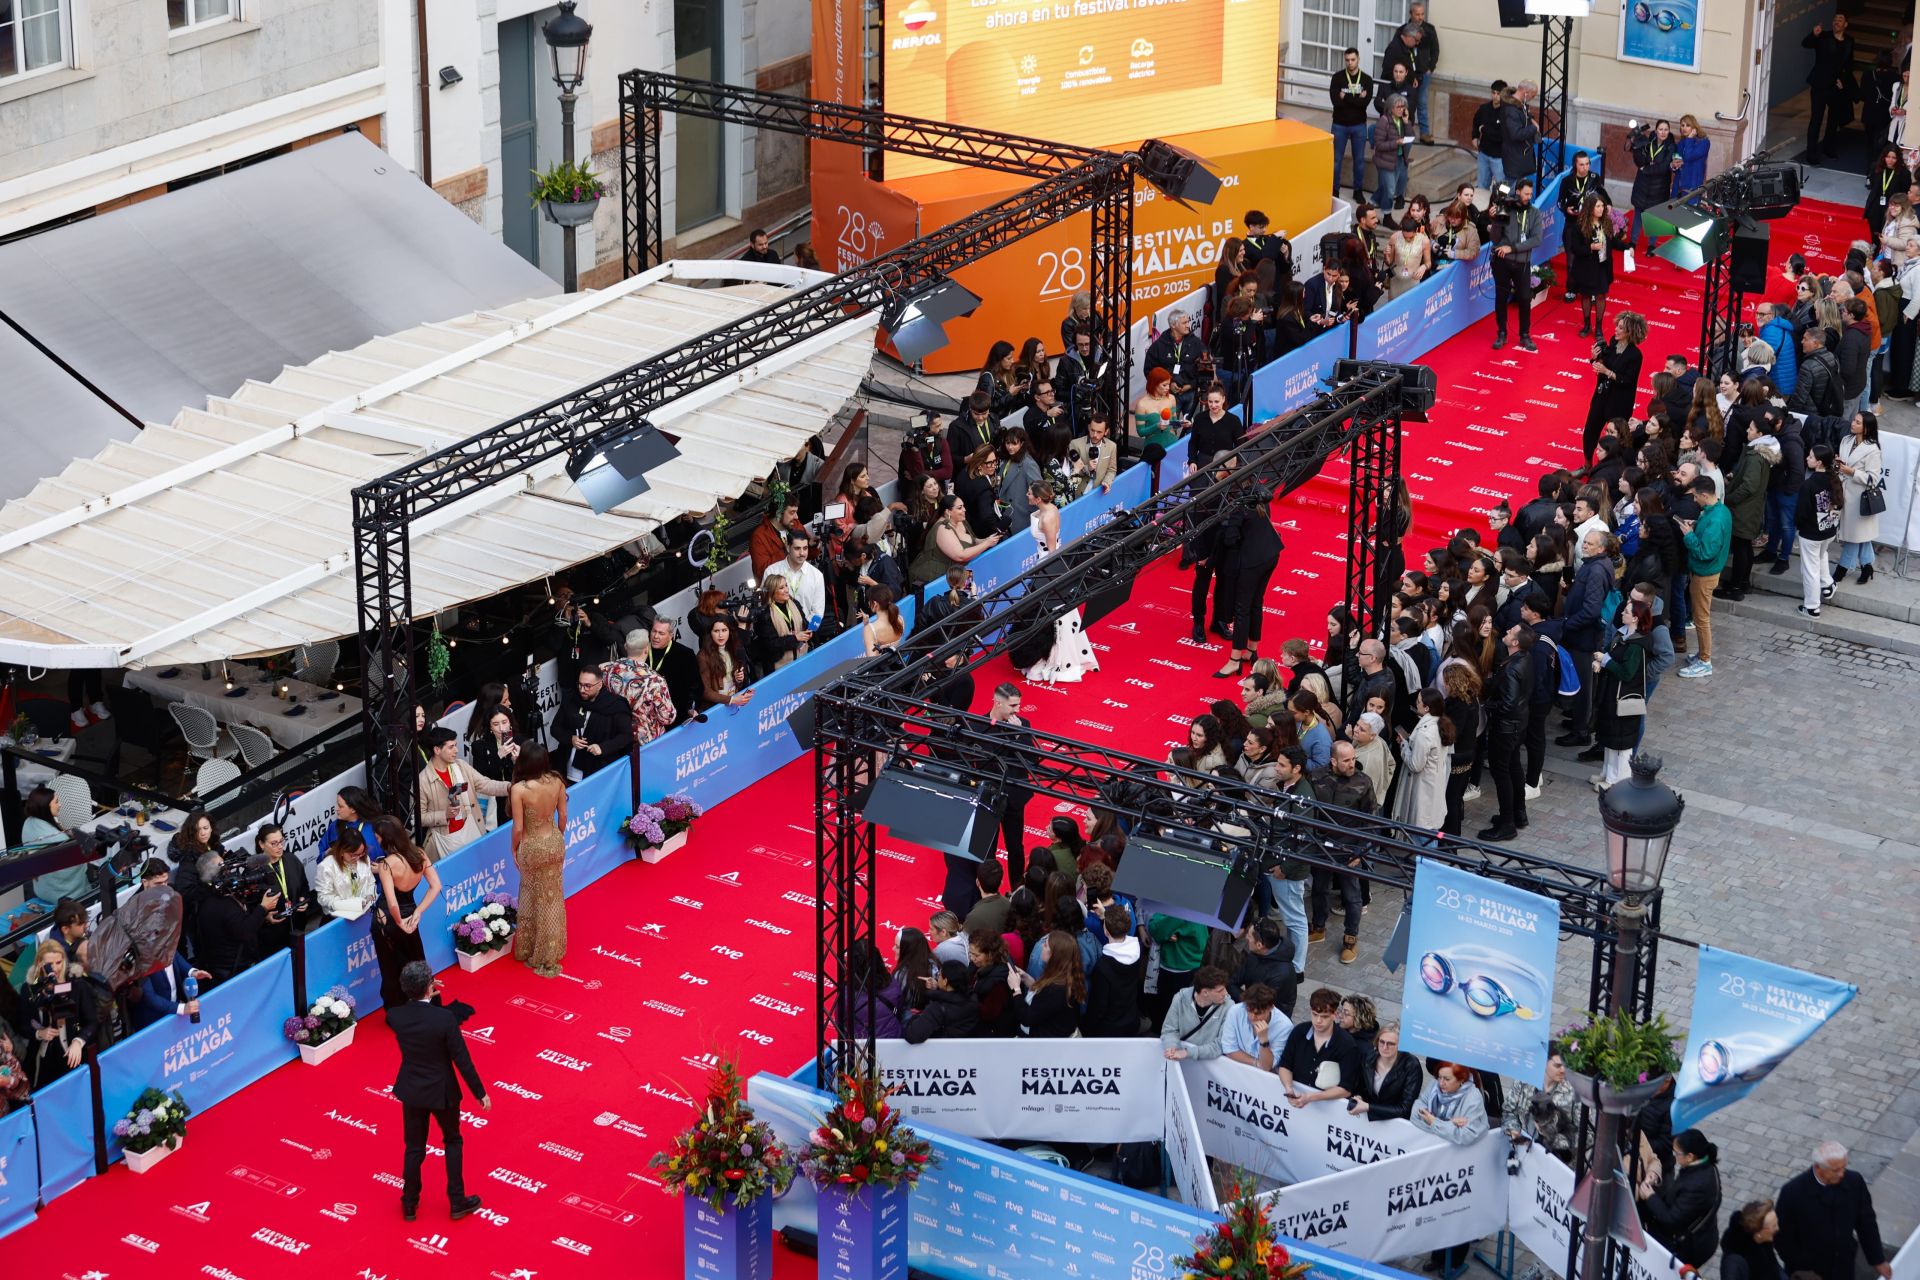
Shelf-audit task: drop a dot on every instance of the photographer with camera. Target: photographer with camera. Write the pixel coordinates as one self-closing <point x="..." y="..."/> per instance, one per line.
<point x="289" y="879"/>
<point x="64" y="1015"/>
<point x="1094" y="459"/>
<point x="1516" y="234"/>
<point x="923" y="452"/>
<point x="227" y="931"/>
<point x="577" y="637"/>
<point x="1657" y="159"/>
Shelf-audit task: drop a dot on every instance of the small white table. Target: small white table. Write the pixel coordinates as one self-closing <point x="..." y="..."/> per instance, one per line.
<point x="255" y="704"/>
<point x="30" y="774"/>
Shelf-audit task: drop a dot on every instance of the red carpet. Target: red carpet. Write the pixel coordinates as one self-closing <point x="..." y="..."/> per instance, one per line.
<point x="711" y="952"/>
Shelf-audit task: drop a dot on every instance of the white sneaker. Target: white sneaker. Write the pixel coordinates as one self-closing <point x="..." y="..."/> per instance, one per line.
<point x="100" y="711"/>
<point x="1532" y="793"/>
<point x="1471" y="793"/>
<point x="78" y="719"/>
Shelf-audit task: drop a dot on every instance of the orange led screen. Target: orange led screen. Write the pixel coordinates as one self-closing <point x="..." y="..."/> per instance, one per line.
<point x="1092" y="72"/>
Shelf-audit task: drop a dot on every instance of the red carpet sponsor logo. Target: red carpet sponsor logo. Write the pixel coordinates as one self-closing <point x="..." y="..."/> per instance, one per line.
<point x="598" y="1208"/>
<point x="518" y="1091"/>
<point x="266" y="1181"/>
<point x="799" y="899"/>
<point x="479" y="1035"/>
<point x="393" y="1180"/>
<point x="693" y="980"/>
<point x="1095" y="724"/>
<point x="141" y="1243"/>
<point x="648" y="1087"/>
<point x="694" y="903"/>
<point x="467" y="890"/>
<point x="1114" y="702"/>
<point x="701" y="1061"/>
<point x="804" y="975"/>
<point x="219" y="1272"/>
<point x="610" y="954"/>
<point x="281" y="1240"/>
<point x="492" y="1217"/>
<point x="341" y="1211"/>
<point x="198" y="1211"/>
<point x="780" y="855"/>
<point x="778" y="1006"/>
<point x="649" y="930"/>
<point x="433" y="1244"/>
<point x="1170" y="664"/>
<point x="196" y="1045"/>
<point x="1138" y="683"/>
<point x="619" y="1035"/>
<point x="661" y="1006"/>
<point x="318" y="1153"/>
<point x="560" y="1059"/>
<point x="895" y="854"/>
<point x="584" y="1250"/>
<point x="728" y="952"/>
<point x="770" y="928"/>
<point x="731" y="879"/>
<point x="520" y="1180"/>
<point x="696" y="758"/>
<point x="565" y="1153"/>
<point x="545" y="1010"/>
<point x="758" y="1037"/>
<point x="518" y="1273"/>
<point x="612" y="1120"/>
<point x="353" y="1122"/>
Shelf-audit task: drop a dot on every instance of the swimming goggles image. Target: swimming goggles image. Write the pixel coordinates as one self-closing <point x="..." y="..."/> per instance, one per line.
<point x="1749" y="1058"/>
<point x="1484" y="994"/>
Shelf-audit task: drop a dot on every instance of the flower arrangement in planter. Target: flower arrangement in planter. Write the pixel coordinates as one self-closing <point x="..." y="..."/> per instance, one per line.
<point x="865" y="1162"/>
<point x="1544" y="277"/>
<point x="656" y="830"/>
<point x="728" y="1167"/>
<point x="153" y="1129"/>
<point x="1618" y="1064"/>
<point x="485" y="933"/>
<point x="1244" y="1247"/>
<point x="570" y="193"/>
<point x="326" y="1028"/>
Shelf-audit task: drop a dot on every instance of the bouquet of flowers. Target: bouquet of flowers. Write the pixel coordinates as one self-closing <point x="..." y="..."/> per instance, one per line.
<point x="645" y="829"/>
<point x="331" y="1014"/>
<point x="728" y="1157"/>
<point x="677" y="813"/>
<point x="1619" y="1050"/>
<point x="156" y="1120"/>
<point x="863" y="1142"/>
<point x="1244" y="1247"/>
<point x="489" y="926"/>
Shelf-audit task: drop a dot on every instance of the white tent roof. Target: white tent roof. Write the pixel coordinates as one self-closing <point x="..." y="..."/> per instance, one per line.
<point x="229" y="532"/>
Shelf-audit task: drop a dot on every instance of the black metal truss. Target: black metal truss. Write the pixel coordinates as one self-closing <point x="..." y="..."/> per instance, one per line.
<point x="640" y="146"/>
<point x="844" y="883"/>
<point x="1375" y="461"/>
<point x="1721" y="304"/>
<point x="1556" y="51"/>
<point x="1110" y="280"/>
<point x="382" y="576"/>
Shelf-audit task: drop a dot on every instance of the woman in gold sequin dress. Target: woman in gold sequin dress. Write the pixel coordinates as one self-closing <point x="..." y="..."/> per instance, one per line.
<point x="539" y="807"/>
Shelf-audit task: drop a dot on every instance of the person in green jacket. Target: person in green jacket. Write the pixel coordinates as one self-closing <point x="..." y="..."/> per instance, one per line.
<point x="1183" y="946"/>
<point x="1747" y="504"/>
<point x="1709" y="540"/>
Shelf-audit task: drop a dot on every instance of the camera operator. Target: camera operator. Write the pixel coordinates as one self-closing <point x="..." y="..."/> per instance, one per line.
<point x="1180" y="352"/>
<point x="974" y="429"/>
<point x="1094" y="459"/>
<point x="577" y="636"/>
<point x="924" y="452"/>
<point x="238" y="904"/>
<point x="1516" y="234"/>
<point x="868" y="564"/>
<point x="289" y="880"/>
<point x="1074" y="377"/>
<point x="65" y="1016"/>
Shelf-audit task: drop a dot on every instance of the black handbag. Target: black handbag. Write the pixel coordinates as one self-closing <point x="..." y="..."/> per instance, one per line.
<point x="1872" y="500"/>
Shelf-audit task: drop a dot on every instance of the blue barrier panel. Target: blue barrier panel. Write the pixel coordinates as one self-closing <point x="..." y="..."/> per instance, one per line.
<point x="63" y="1119"/>
<point x="470" y="874"/>
<point x="1283" y="385"/>
<point x="237" y="1041"/>
<point x="19" y="1171"/>
<point x="340" y="954"/>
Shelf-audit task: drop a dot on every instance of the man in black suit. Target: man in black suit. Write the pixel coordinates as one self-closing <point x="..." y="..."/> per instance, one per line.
<point x="431" y="1050"/>
<point x="1829" y="85"/>
<point x="289" y="880"/>
<point x="674" y="663"/>
<point x="592" y="729"/>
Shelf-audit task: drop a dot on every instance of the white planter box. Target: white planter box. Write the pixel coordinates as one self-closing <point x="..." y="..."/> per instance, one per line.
<point x="474" y="961"/>
<point x="141" y="1161"/>
<point x="673" y="842"/>
<point x="315" y="1054"/>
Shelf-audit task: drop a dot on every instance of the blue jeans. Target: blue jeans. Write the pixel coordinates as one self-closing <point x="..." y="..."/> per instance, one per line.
<point x="1417" y="103"/>
<point x="1487" y="170"/>
<point x="1780" y="532"/>
<point x="1677" y="612"/>
<point x="1350" y="137"/>
<point x="1855" y="555"/>
<point x="1291" y="898"/>
<point x="1393" y="183"/>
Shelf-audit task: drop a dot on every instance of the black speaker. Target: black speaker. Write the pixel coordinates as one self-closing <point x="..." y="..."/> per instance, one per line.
<point x="1178" y="172"/>
<point x="1513" y="13"/>
<point x="1748" y="264"/>
<point x="1773" y="191"/>
<point x="1190" y="881"/>
<point x="942" y="813"/>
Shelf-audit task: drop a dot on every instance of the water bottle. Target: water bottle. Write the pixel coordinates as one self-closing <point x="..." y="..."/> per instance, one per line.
<point x="192" y="989"/>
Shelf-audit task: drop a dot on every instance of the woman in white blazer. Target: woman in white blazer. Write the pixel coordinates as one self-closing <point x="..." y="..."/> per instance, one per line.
<point x="1426" y="756"/>
<point x="1859" y="467"/>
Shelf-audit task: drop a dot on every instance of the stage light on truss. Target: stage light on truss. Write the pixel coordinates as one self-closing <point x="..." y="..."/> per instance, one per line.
<point x="915" y="320"/>
<point x="1191" y="881"/>
<point x="940" y="812"/>
<point x="1418" y="388"/>
<point x="1178" y="173"/>
<point x="614" y="471"/>
<point x="1695" y="236"/>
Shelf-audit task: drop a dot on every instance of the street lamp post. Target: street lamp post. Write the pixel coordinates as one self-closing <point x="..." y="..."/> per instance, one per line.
<point x="567" y="34"/>
<point x="1640" y="814"/>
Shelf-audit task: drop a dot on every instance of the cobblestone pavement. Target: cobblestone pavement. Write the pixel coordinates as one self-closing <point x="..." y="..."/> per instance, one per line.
<point x="1795" y="848"/>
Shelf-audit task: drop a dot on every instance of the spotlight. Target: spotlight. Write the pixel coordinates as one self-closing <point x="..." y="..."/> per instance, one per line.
<point x="1697" y="237"/>
<point x="915" y="320"/>
<point x="615" y="471"/>
<point x="941" y="813"/>
<point x="1418" y="389"/>
<point x="1177" y="173"/>
<point x="1191" y="881"/>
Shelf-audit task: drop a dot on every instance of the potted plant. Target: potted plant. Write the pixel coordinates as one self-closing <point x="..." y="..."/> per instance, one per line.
<point x="1544" y="278"/>
<point x="22" y="730"/>
<point x="728" y="1167"/>
<point x="153" y="1128"/>
<point x="656" y="830"/>
<point x="1616" y="1064"/>
<point x="485" y="933"/>
<point x="325" y="1030"/>
<point x="1245" y="1246"/>
<point x="569" y="192"/>
<point x="865" y="1162"/>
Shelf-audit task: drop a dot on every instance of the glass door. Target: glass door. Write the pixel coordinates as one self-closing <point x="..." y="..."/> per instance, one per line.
<point x="700" y="145"/>
<point x="1322" y="32"/>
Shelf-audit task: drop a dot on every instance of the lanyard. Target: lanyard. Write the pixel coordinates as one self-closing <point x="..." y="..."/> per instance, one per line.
<point x="1654" y="155"/>
<point x="1353" y="80"/>
<point x="1886" y="180"/>
<point x="657" y="658"/>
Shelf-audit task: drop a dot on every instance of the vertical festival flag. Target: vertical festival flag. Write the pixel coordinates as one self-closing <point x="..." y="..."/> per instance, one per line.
<point x="1748" y="1015"/>
<point x="1479" y="982"/>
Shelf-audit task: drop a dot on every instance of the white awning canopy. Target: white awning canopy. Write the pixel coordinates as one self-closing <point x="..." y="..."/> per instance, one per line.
<point x="228" y="534"/>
